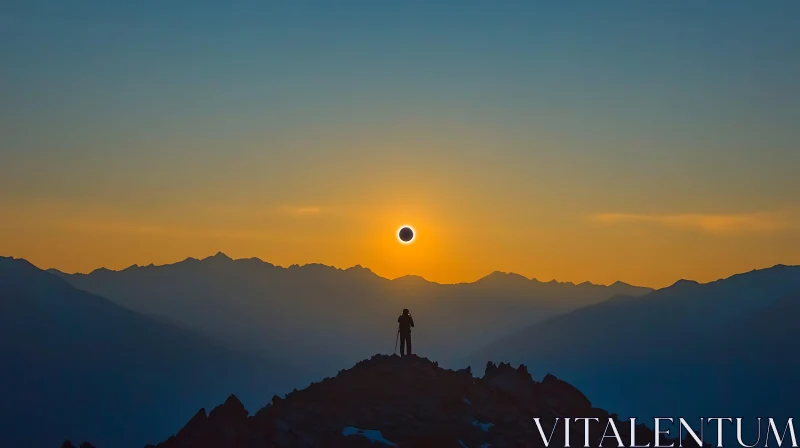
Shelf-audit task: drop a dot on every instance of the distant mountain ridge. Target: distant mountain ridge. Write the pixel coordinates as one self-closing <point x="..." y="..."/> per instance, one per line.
<point x="727" y="346"/>
<point x="80" y="366"/>
<point x="330" y="315"/>
<point x="222" y="256"/>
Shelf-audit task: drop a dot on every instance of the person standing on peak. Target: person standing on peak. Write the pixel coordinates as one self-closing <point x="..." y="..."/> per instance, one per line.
<point x="406" y="322"/>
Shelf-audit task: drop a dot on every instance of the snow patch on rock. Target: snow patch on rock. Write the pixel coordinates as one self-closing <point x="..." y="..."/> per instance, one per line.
<point x="373" y="435"/>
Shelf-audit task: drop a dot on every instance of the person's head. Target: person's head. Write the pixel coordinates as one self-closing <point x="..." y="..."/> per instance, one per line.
<point x="405" y="311"/>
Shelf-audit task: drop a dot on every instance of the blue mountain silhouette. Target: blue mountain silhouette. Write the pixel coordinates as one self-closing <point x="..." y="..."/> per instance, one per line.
<point x="726" y="347"/>
<point x="321" y="318"/>
<point x="75" y="365"/>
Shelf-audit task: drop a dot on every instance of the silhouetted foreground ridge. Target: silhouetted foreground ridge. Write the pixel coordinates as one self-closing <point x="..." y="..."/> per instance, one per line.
<point x="405" y="402"/>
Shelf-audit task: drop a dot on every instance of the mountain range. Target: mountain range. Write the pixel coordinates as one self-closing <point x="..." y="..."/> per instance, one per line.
<point x="727" y="347"/>
<point x="80" y="366"/>
<point x="121" y="358"/>
<point x="318" y="318"/>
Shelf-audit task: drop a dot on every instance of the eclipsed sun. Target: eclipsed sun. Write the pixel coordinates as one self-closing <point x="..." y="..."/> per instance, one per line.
<point x="405" y="234"/>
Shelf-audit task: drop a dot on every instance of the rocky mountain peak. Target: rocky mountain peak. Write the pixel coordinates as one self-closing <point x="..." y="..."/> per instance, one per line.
<point x="411" y="401"/>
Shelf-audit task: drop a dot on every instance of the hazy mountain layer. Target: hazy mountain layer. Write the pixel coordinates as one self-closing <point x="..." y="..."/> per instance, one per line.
<point x="319" y="318"/>
<point x="77" y="365"/>
<point x="727" y="347"/>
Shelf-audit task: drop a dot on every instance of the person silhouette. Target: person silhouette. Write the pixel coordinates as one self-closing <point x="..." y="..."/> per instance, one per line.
<point x="405" y="322"/>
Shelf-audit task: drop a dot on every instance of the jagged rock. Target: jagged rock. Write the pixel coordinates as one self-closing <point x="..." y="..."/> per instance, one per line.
<point x="224" y="424"/>
<point x="232" y="409"/>
<point x="517" y="382"/>
<point x="195" y="424"/>
<point x="563" y="395"/>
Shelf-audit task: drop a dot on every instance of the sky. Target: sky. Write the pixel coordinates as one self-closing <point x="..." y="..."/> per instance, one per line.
<point x="602" y="141"/>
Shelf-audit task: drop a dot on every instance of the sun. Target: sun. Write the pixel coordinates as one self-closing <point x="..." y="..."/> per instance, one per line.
<point x="406" y="234"/>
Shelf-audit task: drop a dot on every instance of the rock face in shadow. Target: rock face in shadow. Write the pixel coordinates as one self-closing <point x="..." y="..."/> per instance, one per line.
<point x="408" y="402"/>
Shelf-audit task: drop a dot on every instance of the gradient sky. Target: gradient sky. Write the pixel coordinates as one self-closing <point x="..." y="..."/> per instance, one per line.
<point x="601" y="141"/>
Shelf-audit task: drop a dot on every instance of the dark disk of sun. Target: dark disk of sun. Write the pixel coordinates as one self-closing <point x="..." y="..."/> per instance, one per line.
<point x="406" y="234"/>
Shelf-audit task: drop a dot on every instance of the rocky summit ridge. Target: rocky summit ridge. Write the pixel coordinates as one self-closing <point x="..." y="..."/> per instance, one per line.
<point x="406" y="402"/>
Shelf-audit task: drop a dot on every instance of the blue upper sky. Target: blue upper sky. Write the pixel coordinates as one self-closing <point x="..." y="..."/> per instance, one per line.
<point x="694" y="103"/>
